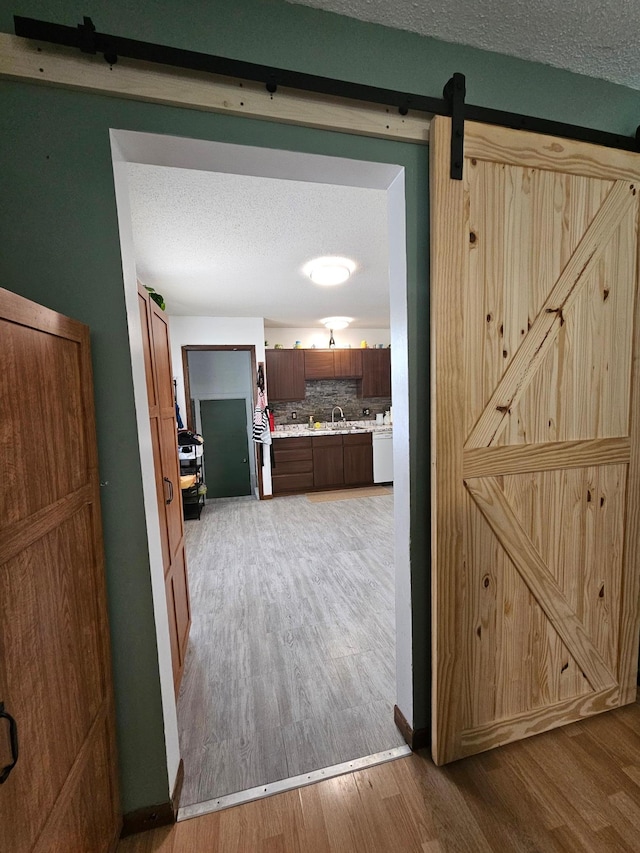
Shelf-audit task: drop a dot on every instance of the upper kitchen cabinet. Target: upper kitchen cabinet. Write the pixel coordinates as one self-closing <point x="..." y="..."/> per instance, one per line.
<point x="285" y="374"/>
<point x="376" y="373"/>
<point x="347" y="363"/>
<point x="333" y="364"/>
<point x="318" y="364"/>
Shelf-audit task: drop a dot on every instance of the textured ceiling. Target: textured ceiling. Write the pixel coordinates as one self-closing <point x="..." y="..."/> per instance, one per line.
<point x="599" y="39"/>
<point x="234" y="246"/>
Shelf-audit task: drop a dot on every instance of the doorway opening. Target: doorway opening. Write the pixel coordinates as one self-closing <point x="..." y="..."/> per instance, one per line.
<point x="230" y="331"/>
<point x="219" y="396"/>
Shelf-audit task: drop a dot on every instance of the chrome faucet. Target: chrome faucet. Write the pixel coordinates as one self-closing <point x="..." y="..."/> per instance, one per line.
<point x="333" y="411"/>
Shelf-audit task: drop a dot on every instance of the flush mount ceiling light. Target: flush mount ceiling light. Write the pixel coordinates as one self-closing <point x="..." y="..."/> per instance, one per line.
<point x="336" y="323"/>
<point x="329" y="271"/>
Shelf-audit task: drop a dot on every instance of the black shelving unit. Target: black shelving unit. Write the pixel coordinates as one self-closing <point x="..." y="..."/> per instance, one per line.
<point x="192" y="498"/>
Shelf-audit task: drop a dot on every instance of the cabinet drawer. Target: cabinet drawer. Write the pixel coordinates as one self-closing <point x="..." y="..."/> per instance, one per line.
<point x="292" y="455"/>
<point x="294" y="466"/>
<point x="280" y="444"/>
<point x="291" y="483"/>
<point x="356" y="438"/>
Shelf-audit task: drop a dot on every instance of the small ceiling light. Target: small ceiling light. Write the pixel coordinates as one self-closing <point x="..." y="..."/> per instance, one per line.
<point x="336" y="323"/>
<point x="329" y="271"/>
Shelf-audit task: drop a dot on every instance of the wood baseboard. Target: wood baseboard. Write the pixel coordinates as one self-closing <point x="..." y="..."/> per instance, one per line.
<point x="151" y="817"/>
<point x="415" y="738"/>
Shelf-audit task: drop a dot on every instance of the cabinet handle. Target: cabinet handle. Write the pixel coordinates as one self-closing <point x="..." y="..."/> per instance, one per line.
<point x="13" y="737"/>
<point x="170" y="498"/>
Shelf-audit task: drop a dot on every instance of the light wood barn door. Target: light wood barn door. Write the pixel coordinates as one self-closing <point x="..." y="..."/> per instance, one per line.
<point x="535" y="435"/>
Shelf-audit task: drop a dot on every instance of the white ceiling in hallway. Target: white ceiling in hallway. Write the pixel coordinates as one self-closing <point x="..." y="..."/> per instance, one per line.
<point x="234" y="246"/>
<point x="598" y="39"/>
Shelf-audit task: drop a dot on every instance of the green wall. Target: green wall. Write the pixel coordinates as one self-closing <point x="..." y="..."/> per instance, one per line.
<point x="60" y="247"/>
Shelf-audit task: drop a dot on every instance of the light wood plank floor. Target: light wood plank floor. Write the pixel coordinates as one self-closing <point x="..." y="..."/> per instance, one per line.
<point x="573" y="790"/>
<point x="291" y="663"/>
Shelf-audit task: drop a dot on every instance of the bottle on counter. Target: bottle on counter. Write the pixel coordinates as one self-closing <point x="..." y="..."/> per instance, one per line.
<point x="310" y="422"/>
<point x="386" y="420"/>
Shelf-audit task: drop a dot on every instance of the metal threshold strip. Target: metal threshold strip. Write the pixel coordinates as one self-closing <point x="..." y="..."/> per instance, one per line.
<point x="261" y="791"/>
<point x="85" y="38"/>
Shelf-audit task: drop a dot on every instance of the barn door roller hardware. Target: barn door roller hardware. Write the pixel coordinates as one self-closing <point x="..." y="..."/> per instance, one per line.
<point x="454" y="93"/>
<point x="85" y="38"/>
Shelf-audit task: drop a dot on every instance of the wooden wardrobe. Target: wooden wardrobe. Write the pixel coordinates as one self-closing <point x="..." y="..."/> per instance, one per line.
<point x="57" y="711"/>
<point x="162" y="420"/>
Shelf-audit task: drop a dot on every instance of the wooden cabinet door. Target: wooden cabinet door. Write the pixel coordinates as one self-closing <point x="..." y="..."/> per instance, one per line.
<point x="535" y="430"/>
<point x="146" y="320"/>
<point x="376" y="373"/>
<point x="55" y="670"/>
<point x="285" y="374"/>
<point x="168" y="432"/>
<point x="319" y="364"/>
<point x="328" y="465"/>
<point x="162" y="419"/>
<point x="347" y="363"/>
<point x="358" y="459"/>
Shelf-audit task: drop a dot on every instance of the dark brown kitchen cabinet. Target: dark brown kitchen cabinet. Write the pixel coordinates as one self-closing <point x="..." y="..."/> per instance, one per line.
<point x="319" y="364"/>
<point x="333" y="364"/>
<point x="293" y="470"/>
<point x="358" y="459"/>
<point x="347" y="363"/>
<point x="376" y="373"/>
<point x="328" y="466"/>
<point x="311" y="463"/>
<point x="285" y="374"/>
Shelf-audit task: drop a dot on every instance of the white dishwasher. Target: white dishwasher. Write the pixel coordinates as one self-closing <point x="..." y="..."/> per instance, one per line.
<point x="383" y="457"/>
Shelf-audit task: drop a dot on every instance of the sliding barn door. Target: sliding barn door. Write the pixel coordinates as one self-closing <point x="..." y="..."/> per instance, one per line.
<point x="535" y="442"/>
<point x="61" y="796"/>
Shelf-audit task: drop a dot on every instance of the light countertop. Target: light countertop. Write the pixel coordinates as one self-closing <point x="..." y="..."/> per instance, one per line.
<point x="327" y="428"/>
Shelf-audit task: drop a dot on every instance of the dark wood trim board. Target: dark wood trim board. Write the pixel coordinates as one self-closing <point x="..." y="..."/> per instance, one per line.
<point x="415" y="738"/>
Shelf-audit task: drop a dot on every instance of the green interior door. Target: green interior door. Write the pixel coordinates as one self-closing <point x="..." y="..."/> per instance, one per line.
<point x="226" y="448"/>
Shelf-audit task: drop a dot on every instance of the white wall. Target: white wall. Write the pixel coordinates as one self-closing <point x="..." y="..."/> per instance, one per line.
<point x="216" y="331"/>
<point x="320" y="337"/>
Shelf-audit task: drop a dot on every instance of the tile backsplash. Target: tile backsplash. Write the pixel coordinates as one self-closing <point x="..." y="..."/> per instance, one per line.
<point x="322" y="395"/>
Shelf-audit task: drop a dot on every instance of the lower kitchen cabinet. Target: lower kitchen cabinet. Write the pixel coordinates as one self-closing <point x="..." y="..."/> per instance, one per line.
<point x="328" y="466"/>
<point x="358" y="459"/>
<point x="321" y="462"/>
<point x="293" y="469"/>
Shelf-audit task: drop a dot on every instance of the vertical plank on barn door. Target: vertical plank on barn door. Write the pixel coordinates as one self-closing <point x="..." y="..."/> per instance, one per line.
<point x="535" y="435"/>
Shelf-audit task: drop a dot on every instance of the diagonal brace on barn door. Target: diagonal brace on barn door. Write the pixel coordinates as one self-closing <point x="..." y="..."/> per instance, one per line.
<point x="547" y="324"/>
<point x="493" y="504"/>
